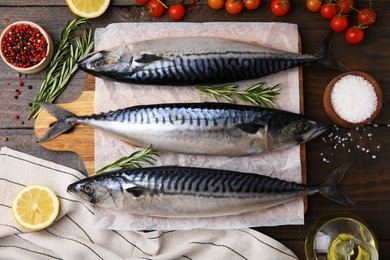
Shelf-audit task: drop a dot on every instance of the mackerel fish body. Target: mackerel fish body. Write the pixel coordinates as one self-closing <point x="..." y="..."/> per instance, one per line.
<point x="190" y="61"/>
<point x="185" y="192"/>
<point x="197" y="128"/>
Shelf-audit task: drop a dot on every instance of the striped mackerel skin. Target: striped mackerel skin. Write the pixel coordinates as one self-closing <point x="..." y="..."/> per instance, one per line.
<point x="194" y="61"/>
<point x="173" y="191"/>
<point x="196" y="128"/>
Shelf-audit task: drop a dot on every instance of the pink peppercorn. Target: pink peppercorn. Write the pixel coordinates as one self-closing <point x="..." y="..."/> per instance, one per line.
<point x="23" y="46"/>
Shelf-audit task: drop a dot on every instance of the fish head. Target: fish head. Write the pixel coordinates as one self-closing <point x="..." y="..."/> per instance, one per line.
<point x="289" y="130"/>
<point x="95" y="191"/>
<point x="106" y="62"/>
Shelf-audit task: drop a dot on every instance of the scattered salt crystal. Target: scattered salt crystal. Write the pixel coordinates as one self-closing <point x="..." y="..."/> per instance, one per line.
<point x="353" y="98"/>
<point x="349" y="150"/>
<point x="367" y="151"/>
<point x="322" y="154"/>
<point x="335" y="126"/>
<point x="349" y="134"/>
<point x="378" y="146"/>
<point x="358" y="146"/>
<point x="369" y="135"/>
<point x="343" y="145"/>
<point x="363" y="149"/>
<point x="330" y="135"/>
<point x="375" y="125"/>
<point x="373" y="157"/>
<point x="324" y="159"/>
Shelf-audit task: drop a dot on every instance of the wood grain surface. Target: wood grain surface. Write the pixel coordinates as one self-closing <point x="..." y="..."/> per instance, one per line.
<point x="368" y="180"/>
<point x="79" y="140"/>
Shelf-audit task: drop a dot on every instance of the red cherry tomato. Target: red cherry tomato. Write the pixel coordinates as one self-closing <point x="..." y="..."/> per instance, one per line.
<point x="366" y="16"/>
<point x="216" y="4"/>
<point x="339" y="24"/>
<point x="328" y="11"/>
<point x="176" y="11"/>
<point x="354" y="35"/>
<point x="252" y="4"/>
<point x="156" y="8"/>
<point x="280" y="7"/>
<point x="142" y="1"/>
<point x="345" y="6"/>
<point x="234" y="6"/>
<point x="313" y="5"/>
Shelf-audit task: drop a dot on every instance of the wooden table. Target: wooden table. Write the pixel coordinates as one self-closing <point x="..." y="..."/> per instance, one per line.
<point x="368" y="180"/>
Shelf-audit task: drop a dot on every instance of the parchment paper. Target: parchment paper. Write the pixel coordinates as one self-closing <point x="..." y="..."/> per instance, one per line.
<point x="110" y="95"/>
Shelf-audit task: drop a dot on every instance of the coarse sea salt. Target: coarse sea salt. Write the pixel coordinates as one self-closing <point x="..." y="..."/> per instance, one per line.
<point x="353" y="98"/>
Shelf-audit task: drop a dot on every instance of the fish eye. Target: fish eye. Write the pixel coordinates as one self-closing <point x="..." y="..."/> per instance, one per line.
<point x="88" y="189"/>
<point x="98" y="63"/>
<point x="303" y="126"/>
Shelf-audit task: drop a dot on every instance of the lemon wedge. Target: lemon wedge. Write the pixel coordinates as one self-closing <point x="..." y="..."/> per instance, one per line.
<point x="88" y="8"/>
<point x="35" y="207"/>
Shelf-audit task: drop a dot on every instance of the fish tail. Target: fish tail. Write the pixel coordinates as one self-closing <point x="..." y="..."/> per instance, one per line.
<point x="324" y="54"/>
<point x="61" y="125"/>
<point x="329" y="187"/>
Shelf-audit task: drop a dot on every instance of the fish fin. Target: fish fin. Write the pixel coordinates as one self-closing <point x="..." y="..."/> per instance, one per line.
<point x="330" y="190"/>
<point x="58" y="127"/>
<point x="148" y="58"/>
<point x="137" y="191"/>
<point x="250" y="128"/>
<point x="324" y="51"/>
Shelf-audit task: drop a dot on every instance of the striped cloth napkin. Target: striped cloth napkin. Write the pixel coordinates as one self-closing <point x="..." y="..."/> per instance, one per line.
<point x="73" y="236"/>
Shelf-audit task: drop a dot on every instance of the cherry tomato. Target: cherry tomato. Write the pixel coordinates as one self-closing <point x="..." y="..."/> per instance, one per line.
<point x="142" y="1"/>
<point x="328" y="11"/>
<point x="252" y="4"/>
<point x="176" y="11"/>
<point x="354" y="35"/>
<point x="339" y="24"/>
<point x="313" y="5"/>
<point x="216" y="4"/>
<point x="234" y="6"/>
<point x="366" y="16"/>
<point x="345" y="6"/>
<point x="156" y="8"/>
<point x="280" y="7"/>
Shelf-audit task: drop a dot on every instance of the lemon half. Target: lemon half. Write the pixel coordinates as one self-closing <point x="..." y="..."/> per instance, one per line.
<point x="88" y="8"/>
<point x="35" y="207"/>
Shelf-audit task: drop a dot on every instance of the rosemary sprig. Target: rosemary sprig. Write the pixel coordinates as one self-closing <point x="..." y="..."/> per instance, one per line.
<point x="64" y="63"/>
<point x="134" y="160"/>
<point x="256" y="94"/>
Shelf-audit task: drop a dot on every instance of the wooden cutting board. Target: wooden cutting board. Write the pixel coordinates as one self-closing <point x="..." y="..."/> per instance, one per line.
<point x="81" y="139"/>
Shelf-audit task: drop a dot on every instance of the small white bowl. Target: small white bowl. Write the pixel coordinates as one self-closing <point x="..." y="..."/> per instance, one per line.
<point x="332" y="113"/>
<point x="43" y="63"/>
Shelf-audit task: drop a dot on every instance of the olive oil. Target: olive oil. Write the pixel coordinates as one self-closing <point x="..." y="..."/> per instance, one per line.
<point x="340" y="236"/>
<point x="345" y="245"/>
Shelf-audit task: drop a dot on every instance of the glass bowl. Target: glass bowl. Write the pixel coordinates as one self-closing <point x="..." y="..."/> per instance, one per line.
<point x="341" y="236"/>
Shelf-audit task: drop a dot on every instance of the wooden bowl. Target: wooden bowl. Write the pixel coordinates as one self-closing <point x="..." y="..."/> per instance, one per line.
<point x="332" y="113"/>
<point x="43" y="63"/>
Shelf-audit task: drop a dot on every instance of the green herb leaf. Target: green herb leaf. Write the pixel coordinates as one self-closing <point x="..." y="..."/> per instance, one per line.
<point x="64" y="63"/>
<point x="257" y="94"/>
<point x="134" y="160"/>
